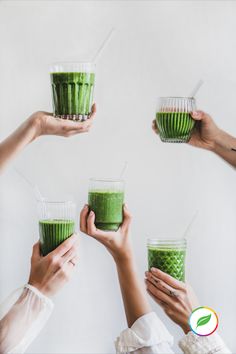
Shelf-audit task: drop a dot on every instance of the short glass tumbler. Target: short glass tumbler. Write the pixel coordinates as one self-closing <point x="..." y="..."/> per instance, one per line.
<point x="174" y="120"/>
<point x="72" y="90"/>
<point x="56" y="223"/>
<point x="168" y="256"/>
<point x="106" y="199"/>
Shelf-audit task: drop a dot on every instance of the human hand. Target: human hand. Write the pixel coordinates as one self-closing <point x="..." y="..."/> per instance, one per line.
<point x="46" y="124"/>
<point x="175" y="297"/>
<point x="116" y="242"/>
<point x="206" y="133"/>
<point x="50" y="273"/>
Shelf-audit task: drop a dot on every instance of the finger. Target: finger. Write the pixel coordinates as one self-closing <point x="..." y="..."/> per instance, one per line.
<point x="161" y="303"/>
<point x="94" y="111"/>
<point x="200" y="115"/>
<point x="161" y="285"/>
<point x="64" y="247"/>
<point x="83" y="218"/>
<point x="73" y="251"/>
<point x="93" y="231"/>
<point x="154" y="126"/>
<point x="168" y="279"/>
<point x="158" y="294"/>
<point x="126" y="218"/>
<point x="36" y="251"/>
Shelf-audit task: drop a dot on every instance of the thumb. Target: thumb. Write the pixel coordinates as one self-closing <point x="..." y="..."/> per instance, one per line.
<point x="36" y="251"/>
<point x="127" y="218"/>
<point x="93" y="231"/>
<point x="200" y="115"/>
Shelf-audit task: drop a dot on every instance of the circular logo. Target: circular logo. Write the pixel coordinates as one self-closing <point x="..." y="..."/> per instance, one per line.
<point x="203" y="321"/>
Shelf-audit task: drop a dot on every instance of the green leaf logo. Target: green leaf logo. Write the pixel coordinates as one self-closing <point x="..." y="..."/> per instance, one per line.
<point x="203" y="320"/>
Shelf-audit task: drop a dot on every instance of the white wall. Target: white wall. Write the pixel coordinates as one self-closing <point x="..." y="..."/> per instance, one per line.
<point x="160" y="48"/>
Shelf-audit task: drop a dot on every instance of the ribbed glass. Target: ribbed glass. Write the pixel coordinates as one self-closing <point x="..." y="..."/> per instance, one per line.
<point x="174" y="120"/>
<point x="56" y="223"/>
<point x="72" y="90"/>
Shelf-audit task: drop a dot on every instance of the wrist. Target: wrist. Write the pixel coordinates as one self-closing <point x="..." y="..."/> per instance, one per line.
<point x="35" y="125"/>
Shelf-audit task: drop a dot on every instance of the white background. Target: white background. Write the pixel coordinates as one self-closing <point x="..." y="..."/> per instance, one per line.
<point x="160" y="48"/>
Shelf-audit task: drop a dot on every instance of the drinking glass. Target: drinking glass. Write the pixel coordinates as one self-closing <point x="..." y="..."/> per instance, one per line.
<point x="72" y="90"/>
<point x="168" y="256"/>
<point x="174" y="120"/>
<point x="106" y="199"/>
<point x="56" y="223"/>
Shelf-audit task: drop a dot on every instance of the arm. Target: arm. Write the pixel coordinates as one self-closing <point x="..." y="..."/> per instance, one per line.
<point x="207" y="135"/>
<point x="178" y="301"/>
<point x="145" y="329"/>
<point x="39" y="123"/>
<point x="23" y="319"/>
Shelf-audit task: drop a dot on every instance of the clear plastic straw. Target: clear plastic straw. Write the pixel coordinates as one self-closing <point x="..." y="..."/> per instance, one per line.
<point x="189" y="227"/>
<point x="35" y="188"/>
<point x="103" y="45"/>
<point x="196" y="88"/>
<point x="124" y="169"/>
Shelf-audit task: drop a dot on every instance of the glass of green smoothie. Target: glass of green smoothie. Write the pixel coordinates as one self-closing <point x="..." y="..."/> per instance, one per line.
<point x="174" y="120"/>
<point x="56" y="223"/>
<point x="72" y="90"/>
<point x="106" y="199"/>
<point x="168" y="256"/>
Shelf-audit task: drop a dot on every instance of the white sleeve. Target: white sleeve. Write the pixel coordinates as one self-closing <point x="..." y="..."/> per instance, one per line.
<point x="21" y="320"/>
<point x="148" y="335"/>
<point x="194" y="344"/>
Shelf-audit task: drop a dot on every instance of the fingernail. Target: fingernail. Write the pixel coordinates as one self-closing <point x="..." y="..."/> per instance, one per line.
<point x="154" y="270"/>
<point x="85" y="206"/>
<point x="91" y="213"/>
<point x="146" y="273"/>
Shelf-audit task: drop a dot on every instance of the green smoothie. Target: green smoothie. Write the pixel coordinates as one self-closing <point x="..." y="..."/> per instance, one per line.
<point x="108" y="208"/>
<point x="175" y="127"/>
<point x="72" y="94"/>
<point x="170" y="261"/>
<point x="53" y="232"/>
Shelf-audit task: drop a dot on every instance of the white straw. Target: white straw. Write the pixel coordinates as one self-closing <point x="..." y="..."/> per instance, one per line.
<point x="196" y="88"/>
<point x="124" y="169"/>
<point x="190" y="224"/>
<point x="35" y="188"/>
<point x="105" y="42"/>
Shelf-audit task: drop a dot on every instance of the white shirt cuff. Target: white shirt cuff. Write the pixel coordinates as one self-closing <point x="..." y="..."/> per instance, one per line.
<point x="147" y="331"/>
<point x="194" y="344"/>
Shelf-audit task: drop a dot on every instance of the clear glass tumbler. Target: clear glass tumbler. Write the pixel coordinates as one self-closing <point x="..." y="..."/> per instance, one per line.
<point x="72" y="90"/>
<point x="106" y="199"/>
<point x="168" y="256"/>
<point x="56" y="223"/>
<point x="174" y="120"/>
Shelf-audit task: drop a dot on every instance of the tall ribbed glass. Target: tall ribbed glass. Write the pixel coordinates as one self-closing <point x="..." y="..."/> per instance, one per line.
<point x="56" y="223"/>
<point x="106" y="199"/>
<point x="168" y="256"/>
<point x="174" y="120"/>
<point x="72" y="90"/>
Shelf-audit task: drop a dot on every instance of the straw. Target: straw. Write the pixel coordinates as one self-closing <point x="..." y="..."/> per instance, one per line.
<point x="103" y="45"/>
<point x="190" y="224"/>
<point x="124" y="169"/>
<point x="35" y="188"/>
<point x="196" y="88"/>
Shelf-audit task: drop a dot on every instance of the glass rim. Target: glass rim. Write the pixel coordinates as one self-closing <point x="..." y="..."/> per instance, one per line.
<point x="62" y="66"/>
<point x="48" y="201"/>
<point x="108" y="180"/>
<point x="179" y="97"/>
<point x="166" y="242"/>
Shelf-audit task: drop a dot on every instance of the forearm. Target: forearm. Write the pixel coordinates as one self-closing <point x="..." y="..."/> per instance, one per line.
<point x="225" y="147"/>
<point x="21" y="137"/>
<point x="133" y="293"/>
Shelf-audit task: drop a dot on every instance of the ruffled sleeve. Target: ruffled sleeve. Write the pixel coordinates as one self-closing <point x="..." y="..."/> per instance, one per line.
<point x="23" y="315"/>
